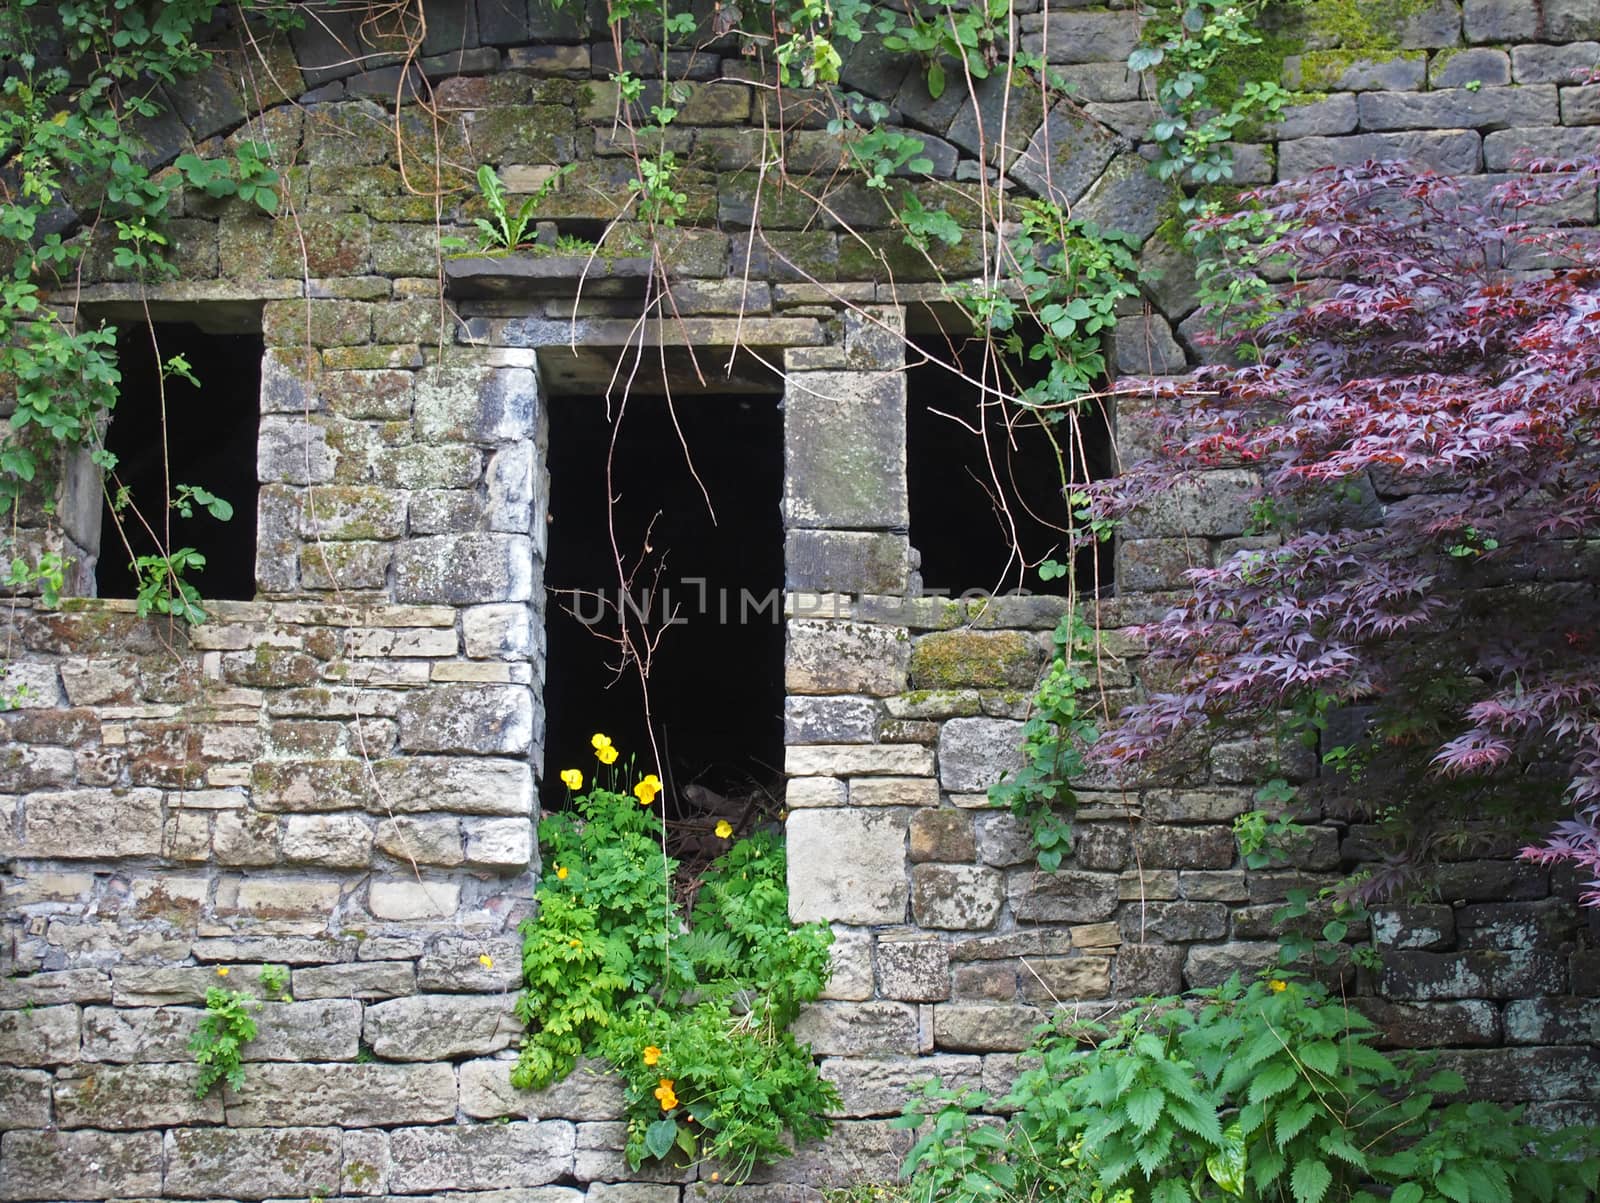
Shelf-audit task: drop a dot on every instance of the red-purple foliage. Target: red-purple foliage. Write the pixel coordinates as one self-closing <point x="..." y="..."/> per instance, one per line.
<point x="1437" y="355"/>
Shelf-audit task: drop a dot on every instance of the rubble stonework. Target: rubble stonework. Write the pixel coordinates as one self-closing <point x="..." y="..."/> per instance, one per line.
<point x="340" y="775"/>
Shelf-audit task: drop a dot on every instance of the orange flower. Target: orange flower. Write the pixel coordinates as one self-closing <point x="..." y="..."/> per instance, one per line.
<point x="664" y="1094"/>
<point x="651" y="1054"/>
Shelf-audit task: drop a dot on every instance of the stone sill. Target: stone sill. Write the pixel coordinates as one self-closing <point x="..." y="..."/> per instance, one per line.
<point x="514" y="277"/>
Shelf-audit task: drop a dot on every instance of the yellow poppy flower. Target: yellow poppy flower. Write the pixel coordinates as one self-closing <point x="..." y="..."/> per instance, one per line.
<point x="1276" y="986"/>
<point x="575" y="943"/>
<point x="605" y="755"/>
<point x="664" y="1094"/>
<point x="598" y="741"/>
<point x="651" y="1054"/>
<point x="572" y="778"/>
<point x="647" y="789"/>
<point x="223" y="971"/>
<point x="486" y="961"/>
<point x="561" y="873"/>
<point x="724" y="829"/>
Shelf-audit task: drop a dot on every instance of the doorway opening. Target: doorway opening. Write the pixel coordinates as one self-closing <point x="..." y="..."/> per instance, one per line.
<point x="168" y="432"/>
<point x="989" y="484"/>
<point x="716" y="572"/>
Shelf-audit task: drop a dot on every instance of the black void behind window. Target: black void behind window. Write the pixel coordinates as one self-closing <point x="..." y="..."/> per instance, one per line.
<point x="206" y="437"/>
<point x="716" y="680"/>
<point x="956" y="477"/>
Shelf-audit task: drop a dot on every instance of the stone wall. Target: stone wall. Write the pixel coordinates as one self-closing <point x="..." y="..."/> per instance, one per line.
<point x="339" y="776"/>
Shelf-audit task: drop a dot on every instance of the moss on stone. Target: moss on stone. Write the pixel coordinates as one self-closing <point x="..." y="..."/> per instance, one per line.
<point x="952" y="659"/>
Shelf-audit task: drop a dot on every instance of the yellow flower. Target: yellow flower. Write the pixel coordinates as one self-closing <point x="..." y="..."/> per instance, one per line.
<point x="223" y="971"/>
<point x="651" y="1054"/>
<point x="574" y="943"/>
<point x="572" y="778"/>
<point x="599" y="741"/>
<point x="486" y="961"/>
<point x="647" y="789"/>
<point x="606" y="755"/>
<point x="724" y="829"/>
<point x="1276" y="986"/>
<point x="664" y="1094"/>
<point x="561" y="873"/>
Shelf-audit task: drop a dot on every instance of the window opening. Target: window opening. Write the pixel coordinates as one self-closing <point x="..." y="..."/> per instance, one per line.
<point x="716" y="680"/>
<point x="957" y="523"/>
<point x="209" y="442"/>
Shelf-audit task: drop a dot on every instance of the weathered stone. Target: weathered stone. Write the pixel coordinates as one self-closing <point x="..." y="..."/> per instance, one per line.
<point x="466" y="785"/>
<point x="1570" y="64"/>
<point x="45" y="989"/>
<point x="1185" y="847"/>
<point x="974" y="1028"/>
<point x="345" y="1095"/>
<point x="1488" y="108"/>
<point x="467" y="718"/>
<point x="847" y="561"/>
<point x="475" y="405"/>
<point x="590" y="1092"/>
<point x="844" y="449"/>
<point x="847" y="866"/>
<point x="843" y="657"/>
<point x="1453" y="152"/>
<point x="961" y="897"/>
<point x="409" y="900"/>
<point x="461" y="569"/>
<point x="1211" y="965"/>
<point x="1003" y="840"/>
<point x="1426" y="926"/>
<point x="855" y="1151"/>
<point x="123" y="1034"/>
<point x="913" y="970"/>
<point x="829" y="720"/>
<point x="1066" y="154"/>
<point x="435" y="1027"/>
<point x="855" y="760"/>
<point x="1432" y="1025"/>
<point x="1563" y="1019"/>
<point x="1483" y="973"/>
<point x="1055" y="980"/>
<point x="981" y="659"/>
<point x="1081" y="37"/>
<point x="421" y="840"/>
<point x="1477" y="66"/>
<point x="133" y="1096"/>
<point x="850" y="972"/>
<point x="499" y="843"/>
<point x="814" y="791"/>
<point x="75" y="824"/>
<point x="39" y="1036"/>
<point x="24" y="1098"/>
<point x="1499" y="20"/>
<point x="942" y="835"/>
<point x="974" y="753"/>
<point x="846" y="1029"/>
<point x="1510" y="1074"/>
<point x="480" y="1157"/>
<point x="250" y="1163"/>
<point x="368" y="979"/>
<point x="1064" y="896"/>
<point x="333" y="841"/>
<point x="1149" y="969"/>
<point x="881" y="1085"/>
<point x="81" y="1165"/>
<point x="497" y="632"/>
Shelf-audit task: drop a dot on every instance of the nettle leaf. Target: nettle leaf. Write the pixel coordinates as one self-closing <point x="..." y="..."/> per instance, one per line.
<point x="1310" y="1180"/>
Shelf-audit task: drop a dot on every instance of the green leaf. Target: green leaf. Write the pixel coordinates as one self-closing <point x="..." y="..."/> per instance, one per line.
<point x="1144" y="1108"/>
<point x="1406" y="1192"/>
<point x="936" y="80"/>
<point x="1310" y="1181"/>
<point x="660" y="1136"/>
<point x="1274" y="1079"/>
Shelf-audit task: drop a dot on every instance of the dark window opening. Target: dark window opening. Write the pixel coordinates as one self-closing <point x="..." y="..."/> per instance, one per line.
<point x="716" y="677"/>
<point x="206" y="439"/>
<point x="979" y="484"/>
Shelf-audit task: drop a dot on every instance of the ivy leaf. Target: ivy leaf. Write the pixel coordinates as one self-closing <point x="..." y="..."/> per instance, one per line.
<point x="1145" y="57"/>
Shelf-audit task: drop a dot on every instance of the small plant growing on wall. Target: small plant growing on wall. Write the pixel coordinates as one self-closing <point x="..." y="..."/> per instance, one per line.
<point x="692" y="1009"/>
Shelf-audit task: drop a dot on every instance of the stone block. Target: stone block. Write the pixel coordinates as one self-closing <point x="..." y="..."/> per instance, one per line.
<point x="1420" y="925"/>
<point x="1065" y="155"/>
<point x="47" y="989"/>
<point x="421" y="841"/>
<point x="1452" y="152"/>
<point x="1081" y="37"/>
<point x="975" y="659"/>
<point x="82" y="823"/>
<point x="976" y="1028"/>
<point x="475" y="405"/>
<point x="847" y="866"/>
<point x="1161" y="847"/>
<point x="456" y="963"/>
<point x="436" y="1027"/>
<point x="1068" y="895"/>
<point x="913" y="970"/>
<point x="1050" y="981"/>
<point x="24" y="768"/>
<point x="850" y="976"/>
<point x="591" y="1092"/>
<point x="346" y="1095"/>
<point x="881" y="1085"/>
<point x="1003" y="840"/>
<point x="1432" y="1025"/>
<point x="1519" y="1074"/>
<point x="462" y="569"/>
<point x="1461" y="108"/>
<point x="364" y="1164"/>
<point x="367" y="979"/>
<point x="466" y="785"/>
<point x="974" y="753"/>
<point x="1570" y="64"/>
<point x="1479" y="65"/>
<point x="1174" y="921"/>
<point x="333" y="841"/>
<point x="855" y="1151"/>
<point x="1499" y="20"/>
<point x="498" y="632"/>
<point x="480" y="1157"/>
<point x="499" y="843"/>
<point x="956" y="897"/>
<point x="133" y="1096"/>
<point x="1142" y="345"/>
<point x="894" y="791"/>
<point x="1336" y="71"/>
<point x="856" y="760"/>
<point x="1482" y="973"/>
<point x="39" y="1036"/>
<point x="847" y="561"/>
<point x="942" y="835"/>
<point x="1563" y="1019"/>
<point x="1504" y="149"/>
<point x="844" y="657"/>
<point x="250" y="1163"/>
<point x="845" y="1029"/>
<point x="80" y="1165"/>
<point x="123" y="1034"/>
<point x="1213" y="964"/>
<point x="485" y="719"/>
<point x="24" y="1098"/>
<point x="814" y="791"/>
<point x="829" y="720"/>
<point x="844" y="451"/>
<point x="1215" y="504"/>
<point x="402" y="900"/>
<point x="1148" y="969"/>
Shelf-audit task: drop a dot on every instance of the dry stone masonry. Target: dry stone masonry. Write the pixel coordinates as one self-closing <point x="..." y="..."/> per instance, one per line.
<point x="339" y="776"/>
